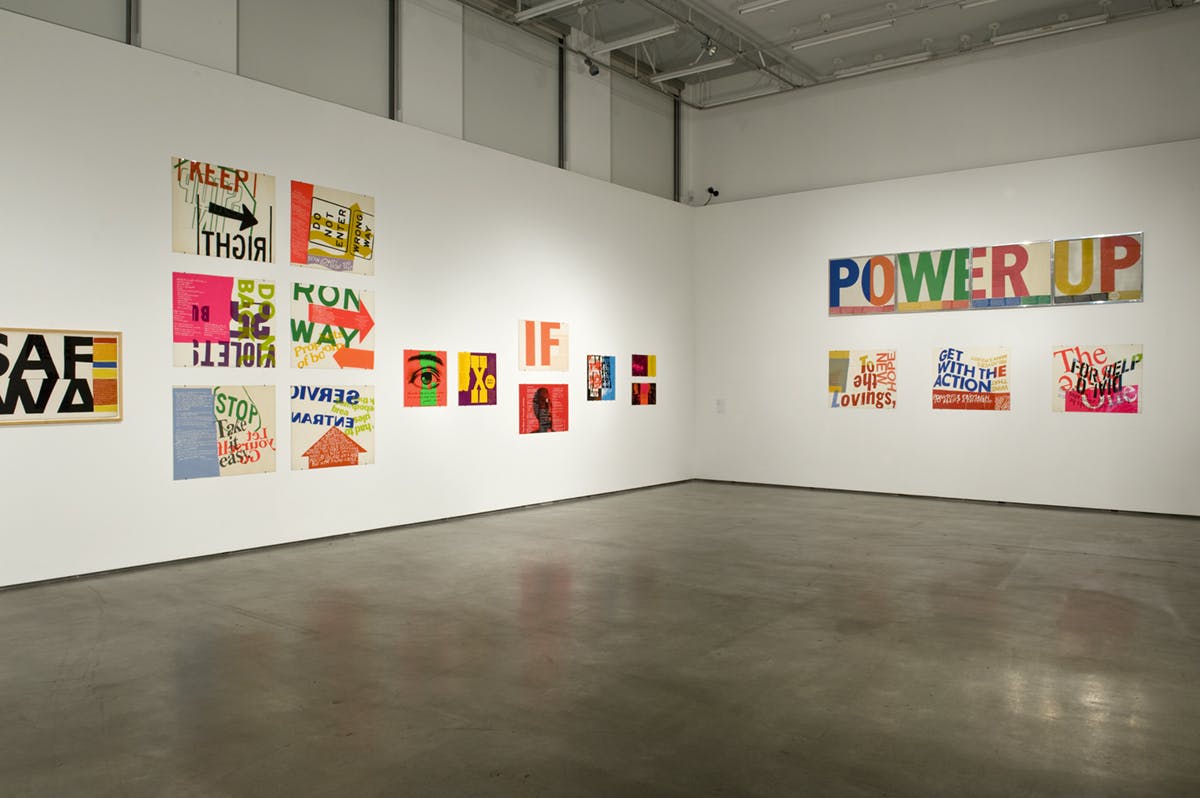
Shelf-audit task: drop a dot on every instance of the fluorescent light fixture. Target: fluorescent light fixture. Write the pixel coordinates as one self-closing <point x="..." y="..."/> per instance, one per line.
<point x="876" y="66"/>
<point x="750" y="95"/>
<point x="759" y="5"/>
<point x="692" y="70"/>
<point x="638" y="38"/>
<point x="544" y="8"/>
<point x="1050" y="30"/>
<point x="842" y="34"/>
<point x="965" y="4"/>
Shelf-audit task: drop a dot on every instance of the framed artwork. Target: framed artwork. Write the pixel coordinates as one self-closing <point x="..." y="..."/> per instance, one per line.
<point x="1100" y="269"/>
<point x="55" y="376"/>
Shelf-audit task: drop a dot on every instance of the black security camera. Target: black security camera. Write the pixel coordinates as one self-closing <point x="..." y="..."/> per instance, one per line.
<point x="593" y="70"/>
<point x="713" y="191"/>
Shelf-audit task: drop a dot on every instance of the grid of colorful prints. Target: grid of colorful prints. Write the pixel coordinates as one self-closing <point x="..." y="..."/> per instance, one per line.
<point x="222" y="321"/>
<point x="424" y="378"/>
<point x="645" y="393"/>
<point x="476" y="379"/>
<point x="543" y="408"/>
<point x="52" y="376"/>
<point x="542" y="346"/>
<point x="332" y="426"/>
<point x="222" y="211"/>
<point x="332" y="327"/>
<point x="862" y="379"/>
<point x="332" y="229"/>
<point x="1034" y="273"/>
<point x="223" y="431"/>
<point x="1097" y="379"/>
<point x="601" y="378"/>
<point x="971" y="378"/>
<point x="644" y="367"/>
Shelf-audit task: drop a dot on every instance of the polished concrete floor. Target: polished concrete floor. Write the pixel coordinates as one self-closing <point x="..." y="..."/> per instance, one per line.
<point x="689" y="640"/>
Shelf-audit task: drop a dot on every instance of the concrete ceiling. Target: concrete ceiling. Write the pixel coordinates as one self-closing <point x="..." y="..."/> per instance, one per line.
<point x="838" y="39"/>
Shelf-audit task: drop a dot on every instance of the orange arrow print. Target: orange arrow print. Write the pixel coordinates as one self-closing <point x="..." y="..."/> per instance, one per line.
<point x="350" y="320"/>
<point x="355" y="358"/>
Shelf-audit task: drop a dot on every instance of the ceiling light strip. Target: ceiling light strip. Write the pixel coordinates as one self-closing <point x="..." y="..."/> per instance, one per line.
<point x="692" y="70"/>
<point x="876" y="66"/>
<point x="638" y="38"/>
<point x="842" y="34"/>
<point x="965" y="4"/>
<point x="544" y="8"/>
<point x="759" y="5"/>
<point x="1050" y="30"/>
<point x="744" y="96"/>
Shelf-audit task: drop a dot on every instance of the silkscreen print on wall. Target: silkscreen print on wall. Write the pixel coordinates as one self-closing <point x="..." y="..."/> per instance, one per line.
<point x="1097" y="379"/>
<point x="424" y="378"/>
<point x="50" y="376"/>
<point x="222" y="211"/>
<point x="862" y="378"/>
<point x="543" y="408"/>
<point x="332" y="327"/>
<point x="332" y="427"/>
<point x="477" y="378"/>
<point x="645" y="366"/>
<point x="601" y="378"/>
<point x="1105" y="269"/>
<point x="222" y="321"/>
<point x="645" y="393"/>
<point x="937" y="279"/>
<point x="1034" y="273"/>
<point x="542" y="346"/>
<point x="862" y="285"/>
<point x="332" y="229"/>
<point x="223" y="431"/>
<point x="971" y="378"/>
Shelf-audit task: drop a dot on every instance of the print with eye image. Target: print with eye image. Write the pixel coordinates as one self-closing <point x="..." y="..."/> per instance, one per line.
<point x="424" y="378"/>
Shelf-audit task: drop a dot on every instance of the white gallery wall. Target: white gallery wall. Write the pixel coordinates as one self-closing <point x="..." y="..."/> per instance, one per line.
<point x="470" y="240"/>
<point x="763" y="337"/>
<point x="1126" y="84"/>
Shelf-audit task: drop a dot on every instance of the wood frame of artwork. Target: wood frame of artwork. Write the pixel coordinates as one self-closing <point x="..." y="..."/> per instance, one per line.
<point x="112" y="380"/>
